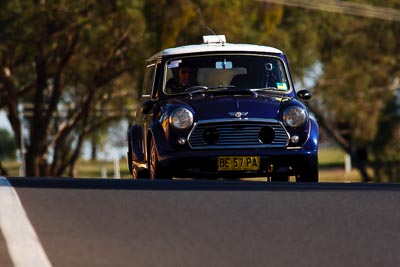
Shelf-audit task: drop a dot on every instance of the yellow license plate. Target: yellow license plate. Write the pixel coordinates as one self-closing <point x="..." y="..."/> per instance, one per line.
<point x="238" y="163"/>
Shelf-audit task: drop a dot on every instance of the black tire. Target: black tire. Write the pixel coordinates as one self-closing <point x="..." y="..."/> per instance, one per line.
<point x="308" y="171"/>
<point x="155" y="170"/>
<point x="136" y="173"/>
<point x="139" y="174"/>
<point x="129" y="159"/>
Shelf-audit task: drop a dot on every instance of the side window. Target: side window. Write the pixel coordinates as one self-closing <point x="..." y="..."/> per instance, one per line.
<point x="148" y="80"/>
<point x="275" y="75"/>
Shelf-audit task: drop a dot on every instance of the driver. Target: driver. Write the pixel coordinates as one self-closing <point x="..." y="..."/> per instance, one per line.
<point x="184" y="77"/>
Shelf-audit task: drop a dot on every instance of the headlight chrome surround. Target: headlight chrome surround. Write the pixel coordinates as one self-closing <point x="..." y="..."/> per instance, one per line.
<point x="181" y="118"/>
<point x="294" y="116"/>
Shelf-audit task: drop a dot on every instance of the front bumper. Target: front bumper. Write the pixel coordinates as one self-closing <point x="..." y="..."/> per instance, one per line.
<point x="205" y="163"/>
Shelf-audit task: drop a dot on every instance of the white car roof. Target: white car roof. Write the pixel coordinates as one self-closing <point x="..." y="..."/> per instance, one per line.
<point x="214" y="47"/>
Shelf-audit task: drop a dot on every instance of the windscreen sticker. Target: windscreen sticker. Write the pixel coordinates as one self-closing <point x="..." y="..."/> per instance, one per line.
<point x="281" y="86"/>
<point x="174" y="64"/>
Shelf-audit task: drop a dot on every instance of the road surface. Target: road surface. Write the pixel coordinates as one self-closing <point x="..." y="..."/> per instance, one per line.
<point x="100" y="222"/>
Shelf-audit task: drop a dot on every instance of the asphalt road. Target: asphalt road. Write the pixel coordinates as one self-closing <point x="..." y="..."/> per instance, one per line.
<point x="98" y="222"/>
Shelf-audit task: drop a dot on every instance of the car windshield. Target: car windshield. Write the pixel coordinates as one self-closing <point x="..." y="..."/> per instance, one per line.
<point x="219" y="72"/>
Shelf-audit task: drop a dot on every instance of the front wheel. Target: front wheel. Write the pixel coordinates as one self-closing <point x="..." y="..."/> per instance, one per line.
<point x="139" y="174"/>
<point x="134" y="170"/>
<point x="129" y="161"/>
<point x="156" y="170"/>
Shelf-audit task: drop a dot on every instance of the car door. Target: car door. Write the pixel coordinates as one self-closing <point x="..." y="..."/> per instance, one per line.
<point x="149" y="94"/>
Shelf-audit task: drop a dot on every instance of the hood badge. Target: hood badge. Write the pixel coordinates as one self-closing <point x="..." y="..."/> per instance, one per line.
<point x="238" y="114"/>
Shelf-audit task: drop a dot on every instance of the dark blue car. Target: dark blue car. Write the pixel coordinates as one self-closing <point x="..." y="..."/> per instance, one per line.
<point x="221" y="110"/>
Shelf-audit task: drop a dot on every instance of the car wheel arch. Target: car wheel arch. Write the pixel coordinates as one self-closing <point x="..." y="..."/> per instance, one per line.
<point x="129" y="153"/>
<point x="313" y="135"/>
<point x="149" y="139"/>
<point x="134" y="137"/>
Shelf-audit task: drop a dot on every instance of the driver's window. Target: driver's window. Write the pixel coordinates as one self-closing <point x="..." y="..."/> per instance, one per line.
<point x="181" y="74"/>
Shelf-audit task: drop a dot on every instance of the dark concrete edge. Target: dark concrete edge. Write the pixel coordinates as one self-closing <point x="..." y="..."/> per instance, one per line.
<point x="202" y="185"/>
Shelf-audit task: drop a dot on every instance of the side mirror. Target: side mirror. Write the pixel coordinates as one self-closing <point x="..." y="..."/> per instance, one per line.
<point x="147" y="106"/>
<point x="304" y="94"/>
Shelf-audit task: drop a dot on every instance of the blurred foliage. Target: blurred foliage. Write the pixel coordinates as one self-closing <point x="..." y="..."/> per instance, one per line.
<point x="386" y="145"/>
<point x="8" y="147"/>
<point x="73" y="61"/>
<point x="359" y="84"/>
<point x="84" y="60"/>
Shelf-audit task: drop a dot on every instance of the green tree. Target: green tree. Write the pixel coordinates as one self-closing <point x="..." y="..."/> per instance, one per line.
<point x="78" y="64"/>
<point x="7" y="145"/>
<point x="182" y="22"/>
<point x="7" y="149"/>
<point x="386" y="145"/>
<point x="74" y="62"/>
<point x="359" y="68"/>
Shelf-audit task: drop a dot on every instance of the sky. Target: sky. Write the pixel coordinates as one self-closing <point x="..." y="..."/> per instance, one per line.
<point x="4" y="124"/>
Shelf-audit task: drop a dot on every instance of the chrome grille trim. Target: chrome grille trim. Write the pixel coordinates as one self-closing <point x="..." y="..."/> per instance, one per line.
<point x="238" y="133"/>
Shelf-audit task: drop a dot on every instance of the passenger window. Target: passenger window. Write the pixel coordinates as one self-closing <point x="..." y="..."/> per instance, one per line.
<point x="148" y="80"/>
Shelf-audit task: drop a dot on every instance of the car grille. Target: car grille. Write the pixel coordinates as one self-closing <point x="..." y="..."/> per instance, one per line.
<point x="238" y="134"/>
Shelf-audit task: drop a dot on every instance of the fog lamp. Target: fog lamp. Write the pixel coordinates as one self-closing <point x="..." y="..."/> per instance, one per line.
<point x="295" y="139"/>
<point x="182" y="141"/>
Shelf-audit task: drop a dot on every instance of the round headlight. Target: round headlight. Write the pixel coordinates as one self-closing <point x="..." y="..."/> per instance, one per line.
<point x="294" y="116"/>
<point x="181" y="118"/>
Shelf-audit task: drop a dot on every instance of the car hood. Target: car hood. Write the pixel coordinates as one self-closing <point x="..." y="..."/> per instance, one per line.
<point x="231" y="106"/>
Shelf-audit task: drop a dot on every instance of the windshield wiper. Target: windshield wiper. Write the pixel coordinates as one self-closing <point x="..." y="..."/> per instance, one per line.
<point x="202" y="88"/>
<point x="193" y="89"/>
<point x="265" y="89"/>
<point x="222" y="87"/>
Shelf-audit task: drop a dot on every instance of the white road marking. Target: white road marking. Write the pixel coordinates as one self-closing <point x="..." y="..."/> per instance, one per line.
<point x="22" y="241"/>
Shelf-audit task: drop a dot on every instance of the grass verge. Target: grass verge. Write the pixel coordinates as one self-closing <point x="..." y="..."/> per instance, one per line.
<point x="331" y="168"/>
